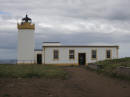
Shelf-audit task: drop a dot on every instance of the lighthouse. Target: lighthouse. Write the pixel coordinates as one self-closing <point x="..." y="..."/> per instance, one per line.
<point x="25" y="49"/>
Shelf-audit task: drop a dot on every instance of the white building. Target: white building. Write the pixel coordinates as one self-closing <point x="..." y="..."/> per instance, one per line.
<point x="56" y="53"/>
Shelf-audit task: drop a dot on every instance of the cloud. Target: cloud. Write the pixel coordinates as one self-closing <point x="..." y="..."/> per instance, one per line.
<point x="67" y="21"/>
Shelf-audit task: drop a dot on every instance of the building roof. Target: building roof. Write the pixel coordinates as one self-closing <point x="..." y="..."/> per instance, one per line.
<point x="85" y="46"/>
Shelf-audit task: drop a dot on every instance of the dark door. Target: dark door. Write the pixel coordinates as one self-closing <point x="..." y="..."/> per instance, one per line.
<point x="39" y="59"/>
<point x="82" y="58"/>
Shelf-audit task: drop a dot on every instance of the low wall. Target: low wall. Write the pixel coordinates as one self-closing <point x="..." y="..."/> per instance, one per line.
<point x="125" y="71"/>
<point x="93" y="66"/>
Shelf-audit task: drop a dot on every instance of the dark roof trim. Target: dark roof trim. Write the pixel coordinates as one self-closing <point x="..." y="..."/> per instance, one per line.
<point x="50" y="42"/>
<point x="82" y="46"/>
<point x="38" y="50"/>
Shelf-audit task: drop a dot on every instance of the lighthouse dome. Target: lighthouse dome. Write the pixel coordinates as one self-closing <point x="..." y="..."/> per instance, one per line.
<point x="26" y="19"/>
<point x="26" y="23"/>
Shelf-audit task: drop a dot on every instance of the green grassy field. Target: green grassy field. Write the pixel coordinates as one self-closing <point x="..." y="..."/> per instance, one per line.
<point x="108" y="67"/>
<point x="115" y="62"/>
<point x="29" y="71"/>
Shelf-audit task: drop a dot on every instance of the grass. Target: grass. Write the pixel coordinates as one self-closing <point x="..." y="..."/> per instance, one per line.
<point x="115" y="62"/>
<point x="29" y="71"/>
<point x="6" y="95"/>
<point x="108" y="67"/>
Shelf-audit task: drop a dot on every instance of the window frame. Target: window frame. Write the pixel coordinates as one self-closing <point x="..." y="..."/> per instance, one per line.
<point x="55" y="58"/>
<point x="110" y="54"/>
<point x="92" y="54"/>
<point x="71" y="54"/>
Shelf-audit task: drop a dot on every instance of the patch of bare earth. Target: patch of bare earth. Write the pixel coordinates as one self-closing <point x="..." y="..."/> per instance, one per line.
<point x="81" y="83"/>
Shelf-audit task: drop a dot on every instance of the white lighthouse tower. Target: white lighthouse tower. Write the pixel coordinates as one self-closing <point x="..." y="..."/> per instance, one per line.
<point x="25" y="54"/>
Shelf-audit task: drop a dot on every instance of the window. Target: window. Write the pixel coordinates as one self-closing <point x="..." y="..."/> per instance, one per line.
<point x="94" y="54"/>
<point x="108" y="54"/>
<point x="71" y="54"/>
<point x="56" y="54"/>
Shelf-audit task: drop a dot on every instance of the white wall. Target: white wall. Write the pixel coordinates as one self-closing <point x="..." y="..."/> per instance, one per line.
<point x="25" y="46"/>
<point x="64" y="54"/>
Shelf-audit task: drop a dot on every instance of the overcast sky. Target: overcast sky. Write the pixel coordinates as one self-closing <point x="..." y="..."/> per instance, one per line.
<point x="88" y="22"/>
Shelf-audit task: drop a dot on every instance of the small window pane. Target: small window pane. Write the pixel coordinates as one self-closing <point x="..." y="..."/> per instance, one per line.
<point x="56" y="54"/>
<point x="71" y="54"/>
<point x="94" y="54"/>
<point x="108" y="54"/>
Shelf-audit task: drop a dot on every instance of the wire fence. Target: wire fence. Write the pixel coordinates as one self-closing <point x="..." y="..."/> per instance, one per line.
<point x="25" y="62"/>
<point x="17" y="61"/>
<point x="8" y="61"/>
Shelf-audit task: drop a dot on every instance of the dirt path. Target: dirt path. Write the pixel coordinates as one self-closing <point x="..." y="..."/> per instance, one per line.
<point x="93" y="85"/>
<point x="82" y="83"/>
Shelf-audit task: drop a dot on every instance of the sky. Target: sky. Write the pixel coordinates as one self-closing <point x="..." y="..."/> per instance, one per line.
<point x="86" y="22"/>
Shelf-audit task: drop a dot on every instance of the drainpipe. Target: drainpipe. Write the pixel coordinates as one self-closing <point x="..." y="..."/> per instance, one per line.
<point x="44" y="56"/>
